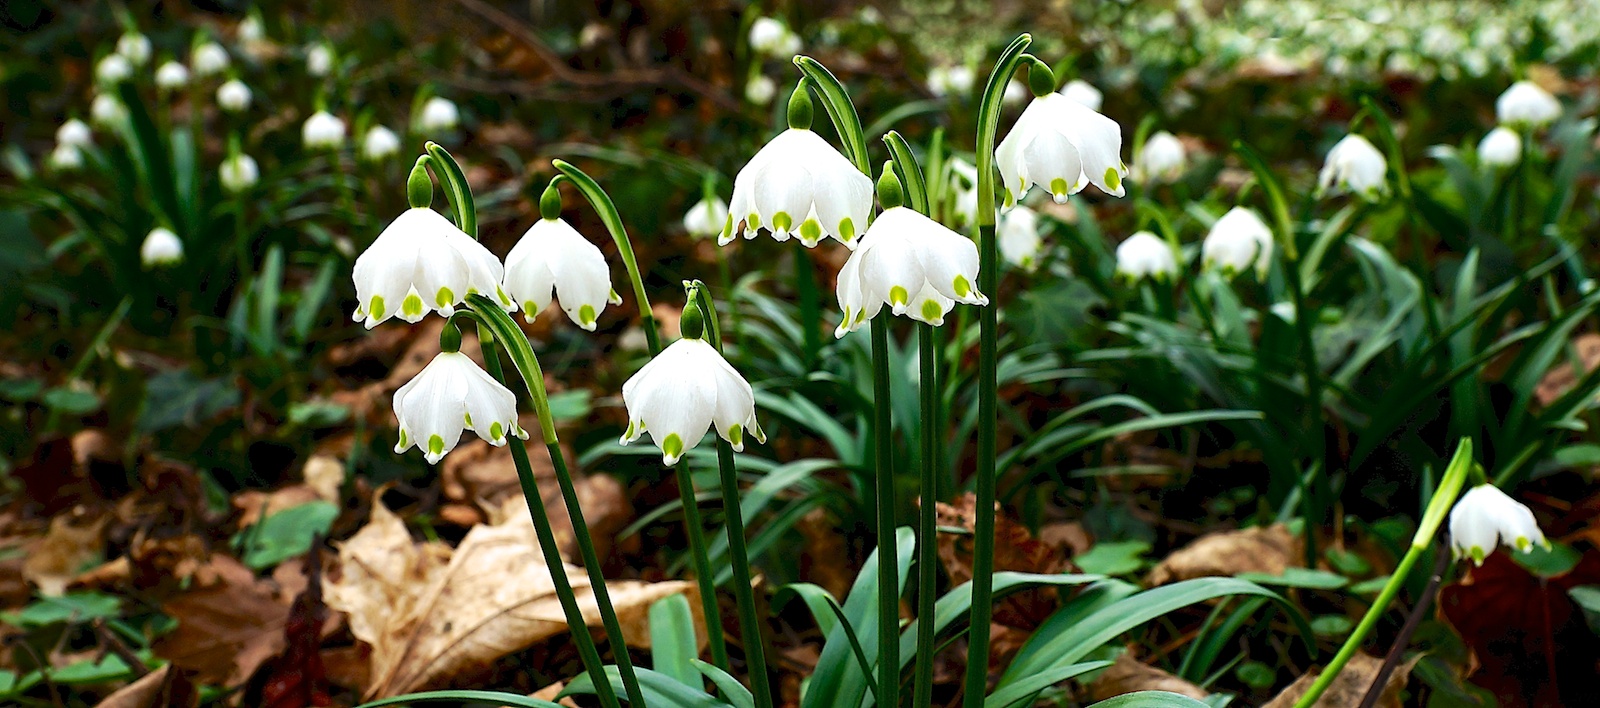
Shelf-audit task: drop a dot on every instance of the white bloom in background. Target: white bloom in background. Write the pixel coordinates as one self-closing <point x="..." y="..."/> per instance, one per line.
<point x="1354" y="164"/>
<point x="250" y="29"/>
<point x="449" y="396"/>
<point x="322" y="130"/>
<point x="1502" y="147"/>
<point x="209" y="59"/>
<point x="112" y="69"/>
<point x="1485" y="518"/>
<point x="950" y="81"/>
<point x="134" y="46"/>
<point x="760" y="90"/>
<point x="1063" y="146"/>
<point x="1239" y="240"/>
<point x="1016" y="92"/>
<point x="74" y="132"/>
<point x="1018" y="237"/>
<point x="438" y="114"/>
<point x="1161" y="159"/>
<point x="681" y="393"/>
<point x="553" y="260"/>
<point x="66" y="157"/>
<point x="964" y="189"/>
<point x="790" y="45"/>
<point x="319" y="60"/>
<point x="799" y="185"/>
<point x="380" y="143"/>
<point x="238" y="173"/>
<point x="421" y="263"/>
<point x="1083" y="93"/>
<point x="706" y="218"/>
<point x="233" y="96"/>
<point x="161" y="248"/>
<point x="107" y="110"/>
<point x="1145" y="255"/>
<point x="911" y="263"/>
<point x="1525" y="105"/>
<point x="172" y="76"/>
<point x="771" y="37"/>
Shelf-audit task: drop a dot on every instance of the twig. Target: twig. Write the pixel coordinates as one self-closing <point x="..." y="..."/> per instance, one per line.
<point x="114" y="645"/>
<point x="1413" y="620"/>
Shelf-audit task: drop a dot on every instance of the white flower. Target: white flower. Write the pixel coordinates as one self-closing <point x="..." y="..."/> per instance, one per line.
<point x="1145" y="255"/>
<point x="74" y="132"/>
<point x="911" y="263"/>
<point x="1238" y="241"/>
<point x="319" y="60"/>
<point x="238" y="173"/>
<point x="1355" y="165"/>
<point x="686" y="389"/>
<point x="799" y="184"/>
<point x="1162" y="158"/>
<point x="423" y="263"/>
<point x="112" y="69"/>
<point x="250" y="29"/>
<point x="552" y="257"/>
<point x="1083" y="94"/>
<point x="322" y="130"/>
<point x="760" y="90"/>
<point x="706" y="218"/>
<point x="172" y="76"/>
<point x="1016" y="92"/>
<point x="950" y="81"/>
<point x="134" y="46"/>
<point x="209" y="59"/>
<point x="1485" y="518"/>
<point x="1502" y="147"/>
<point x="770" y="37"/>
<point x="1063" y="146"/>
<point x="1018" y="237"/>
<point x="233" y="96"/>
<point x="964" y="189"/>
<point x="1525" y="105"/>
<point x="107" y="110"/>
<point x="438" y="114"/>
<point x="448" y="397"/>
<point x="66" y="157"/>
<point x="380" y="143"/>
<point x="161" y="248"/>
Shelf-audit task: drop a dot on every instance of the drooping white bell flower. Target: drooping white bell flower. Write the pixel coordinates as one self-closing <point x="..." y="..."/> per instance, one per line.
<point x="1486" y="517"/>
<point x="760" y="90"/>
<point x="66" y="157"/>
<point x="172" y="76"/>
<point x="706" y="218"/>
<point x="769" y="36"/>
<point x="1083" y="93"/>
<point x="1063" y="146"/>
<point x="1161" y="159"/>
<point x="1526" y="105"/>
<point x="449" y="396"/>
<point x="380" y="144"/>
<point x="251" y="30"/>
<point x="911" y="263"/>
<point x="799" y="185"/>
<point x="319" y="60"/>
<point x="422" y="263"/>
<point x="950" y="80"/>
<point x="238" y="173"/>
<point x="964" y="192"/>
<point x="1145" y="255"/>
<point x="209" y="59"/>
<point x="1017" y="236"/>
<point x="74" y="132"/>
<point x="553" y="260"/>
<point x="438" y="115"/>
<point x="681" y="393"/>
<point x="106" y="110"/>
<point x="161" y="248"/>
<point x="1502" y="147"/>
<point x="233" y="96"/>
<point x="1238" y="241"/>
<point x="134" y="46"/>
<point x="1354" y="164"/>
<point x="112" y="69"/>
<point x="322" y="130"/>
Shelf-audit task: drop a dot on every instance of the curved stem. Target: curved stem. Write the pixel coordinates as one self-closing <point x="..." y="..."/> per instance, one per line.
<point x="888" y="571"/>
<point x="528" y="365"/>
<point x="927" y="557"/>
<point x="977" y="677"/>
<point x="456" y="187"/>
<point x="1392" y="659"/>
<point x="608" y="215"/>
<point x="836" y="100"/>
<point x="909" y="172"/>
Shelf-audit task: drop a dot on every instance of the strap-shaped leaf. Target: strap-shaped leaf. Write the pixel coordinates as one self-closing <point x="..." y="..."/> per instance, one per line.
<point x="456" y="188"/>
<point x="909" y="171"/>
<point x="673" y="649"/>
<point x="1038" y="682"/>
<point x="458" y="697"/>
<point x="729" y="686"/>
<point x="836" y="100"/>
<point x="660" y="691"/>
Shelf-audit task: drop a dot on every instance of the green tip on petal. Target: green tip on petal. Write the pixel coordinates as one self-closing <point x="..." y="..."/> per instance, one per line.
<point x="736" y="435"/>
<point x="411" y="306"/>
<point x="1477" y="554"/>
<point x="898" y="296"/>
<point x="781" y="221"/>
<point x="931" y="312"/>
<point x="435" y="444"/>
<point x="468" y="418"/>
<point x="1059" y="187"/>
<point x="445" y="298"/>
<point x="497" y="431"/>
<point x="962" y="286"/>
<point x="810" y="231"/>
<point x="587" y="316"/>
<point x="405" y="440"/>
<point x="753" y="221"/>
<point x="672" y="446"/>
<point x="1113" y="180"/>
<point x="375" y="307"/>
<point x="847" y="230"/>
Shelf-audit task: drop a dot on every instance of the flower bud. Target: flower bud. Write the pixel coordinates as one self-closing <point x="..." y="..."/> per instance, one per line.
<point x="161" y="248"/>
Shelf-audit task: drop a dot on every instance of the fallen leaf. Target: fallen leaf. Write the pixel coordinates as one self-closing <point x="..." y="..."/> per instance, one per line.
<point x="166" y="687"/>
<point x="74" y="543"/>
<point x="297" y="679"/>
<point x="1563" y="375"/>
<point x="604" y="501"/>
<point x="229" y="623"/>
<point x="324" y="474"/>
<point x="1349" y="687"/>
<point x="1129" y="674"/>
<point x="824" y="561"/>
<point x="254" y="506"/>
<point x="551" y="693"/>
<point x="1014" y="549"/>
<point x="1261" y="549"/>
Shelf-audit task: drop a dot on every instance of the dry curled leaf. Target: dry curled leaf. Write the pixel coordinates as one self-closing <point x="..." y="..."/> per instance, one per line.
<point x="1349" y="687"/>
<point x="229" y="623"/>
<point x="1564" y="375"/>
<point x="1129" y="674"/>
<point x="74" y="543"/>
<point x="1014" y="549"/>
<point x="166" y="687"/>
<point x="1262" y="549"/>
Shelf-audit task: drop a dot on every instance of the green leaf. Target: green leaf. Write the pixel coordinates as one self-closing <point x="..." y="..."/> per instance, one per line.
<point x="1587" y="598"/>
<point x="286" y="534"/>
<point x="72" y="607"/>
<point x="659" y="690"/>
<point x="71" y="401"/>
<point x="1331" y="626"/>
<point x="673" y="648"/>
<point x="180" y="398"/>
<point x="317" y="414"/>
<point x="1256" y="674"/>
<point x="729" y="686"/>
<point x="1038" y="682"/>
<point x="457" y="698"/>
<point x="1299" y="578"/>
<point x="838" y="679"/>
<point x="109" y="668"/>
<point x="1113" y="558"/>
<point x="1151" y="699"/>
<point x="20" y="389"/>
<point x="571" y="405"/>
<point x="1559" y="560"/>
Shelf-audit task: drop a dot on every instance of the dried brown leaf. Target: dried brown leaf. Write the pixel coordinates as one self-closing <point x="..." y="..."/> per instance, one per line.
<point x="1129" y="674"/>
<point x="1262" y="549"/>
<point x="166" y="687"/>
<point x="1350" y="686"/>
<point x="1015" y="549"/>
<point x="1563" y="375"/>
<point x="228" y="624"/>
<point x="74" y="543"/>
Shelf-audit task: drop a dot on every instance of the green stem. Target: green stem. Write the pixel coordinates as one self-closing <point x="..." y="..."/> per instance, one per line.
<point x="927" y="558"/>
<point x="888" y="572"/>
<point x="1303" y="317"/>
<point x="705" y="579"/>
<point x="977" y="677"/>
<point x="547" y="542"/>
<point x="805" y="287"/>
<point x="608" y="215"/>
<point x="533" y="377"/>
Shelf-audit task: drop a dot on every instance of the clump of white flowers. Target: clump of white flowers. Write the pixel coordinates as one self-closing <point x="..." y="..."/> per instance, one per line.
<point x="1485" y="518"/>
<point x="1238" y="242"/>
<point x="209" y="59"/>
<point x="113" y="69"/>
<point x="438" y="114"/>
<point x="322" y="130"/>
<point x="1356" y="166"/>
<point x="760" y="90"/>
<point x="319" y="60"/>
<point x="1162" y="158"/>
<point x="706" y="218"/>
<point x="951" y="80"/>
<point x="450" y="396"/>
<point x="74" y="132"/>
<point x="233" y="96"/>
<point x="1502" y="147"/>
<point x="172" y="76"/>
<point x="107" y="110"/>
<point x="1526" y="105"/>
<point x="238" y="173"/>
<point x="1145" y="255"/>
<point x="771" y="37"/>
<point x="161" y="248"/>
<point x="135" y="47"/>
<point x="379" y="144"/>
<point x="66" y="157"/>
